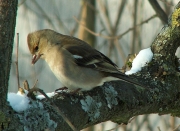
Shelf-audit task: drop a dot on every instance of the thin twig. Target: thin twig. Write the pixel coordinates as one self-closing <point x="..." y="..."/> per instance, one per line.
<point x="104" y="10"/>
<point x="16" y="62"/>
<point x="159" y="129"/>
<point x="118" y="36"/>
<point x="131" y="119"/>
<point x="114" y="30"/>
<point x="119" y="15"/>
<point x="167" y="3"/>
<point x="132" y="28"/>
<point x="176" y="128"/>
<point x="42" y="13"/>
<point x="91" y="6"/>
<point x="26" y="85"/>
<point x="119" y="49"/>
<point x="40" y="91"/>
<point x="22" y="2"/>
<point x="134" y="32"/>
<point x="35" y="84"/>
<point x="57" y="15"/>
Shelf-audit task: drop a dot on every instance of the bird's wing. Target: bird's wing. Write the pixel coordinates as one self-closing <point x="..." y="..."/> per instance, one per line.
<point x="88" y="57"/>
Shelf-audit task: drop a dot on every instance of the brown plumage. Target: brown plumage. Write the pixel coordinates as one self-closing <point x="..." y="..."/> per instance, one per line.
<point x="75" y="63"/>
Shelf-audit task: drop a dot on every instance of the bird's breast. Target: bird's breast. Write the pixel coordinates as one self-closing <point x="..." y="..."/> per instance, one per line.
<point x="73" y="76"/>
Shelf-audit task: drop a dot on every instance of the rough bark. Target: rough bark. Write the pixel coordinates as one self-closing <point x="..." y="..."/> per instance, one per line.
<point x="7" y="25"/>
<point x="8" y="10"/>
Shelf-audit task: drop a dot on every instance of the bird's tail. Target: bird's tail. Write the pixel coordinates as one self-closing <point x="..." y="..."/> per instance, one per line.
<point x="127" y="79"/>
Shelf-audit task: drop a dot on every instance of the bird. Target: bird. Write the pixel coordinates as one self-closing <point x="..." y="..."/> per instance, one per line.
<point x="76" y="64"/>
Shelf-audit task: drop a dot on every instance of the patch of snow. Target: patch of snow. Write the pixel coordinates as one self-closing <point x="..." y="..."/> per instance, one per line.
<point x="40" y="97"/>
<point x="19" y="102"/>
<point x="141" y="60"/>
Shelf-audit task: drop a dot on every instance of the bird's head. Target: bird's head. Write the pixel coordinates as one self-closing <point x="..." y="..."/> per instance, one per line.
<point x="39" y="43"/>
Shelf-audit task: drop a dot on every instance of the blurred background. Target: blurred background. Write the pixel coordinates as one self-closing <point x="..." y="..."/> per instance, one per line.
<point x="117" y="28"/>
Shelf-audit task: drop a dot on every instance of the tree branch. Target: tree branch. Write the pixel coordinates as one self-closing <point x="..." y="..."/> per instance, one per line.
<point x="162" y="15"/>
<point x="8" y="10"/>
<point x="6" y="39"/>
<point x="118" y="36"/>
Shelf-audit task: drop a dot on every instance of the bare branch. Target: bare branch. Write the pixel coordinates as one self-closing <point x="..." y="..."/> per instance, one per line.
<point x="16" y="62"/>
<point x="134" y="33"/>
<point x="175" y="129"/>
<point x="118" y="36"/>
<point x="42" y="12"/>
<point x="104" y="10"/>
<point x="118" y="18"/>
<point x="21" y="3"/>
<point x="167" y="3"/>
<point x="161" y="14"/>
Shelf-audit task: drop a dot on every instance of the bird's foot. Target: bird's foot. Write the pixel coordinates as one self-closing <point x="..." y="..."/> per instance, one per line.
<point x="61" y="89"/>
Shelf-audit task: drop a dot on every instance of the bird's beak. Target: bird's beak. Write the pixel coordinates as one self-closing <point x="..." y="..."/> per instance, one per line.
<point x="35" y="58"/>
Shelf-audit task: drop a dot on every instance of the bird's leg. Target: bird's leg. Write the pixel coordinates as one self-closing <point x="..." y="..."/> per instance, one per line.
<point x="65" y="88"/>
<point x="62" y="89"/>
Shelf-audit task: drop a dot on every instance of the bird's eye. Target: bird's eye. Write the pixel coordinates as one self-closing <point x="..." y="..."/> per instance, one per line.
<point x="36" y="48"/>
